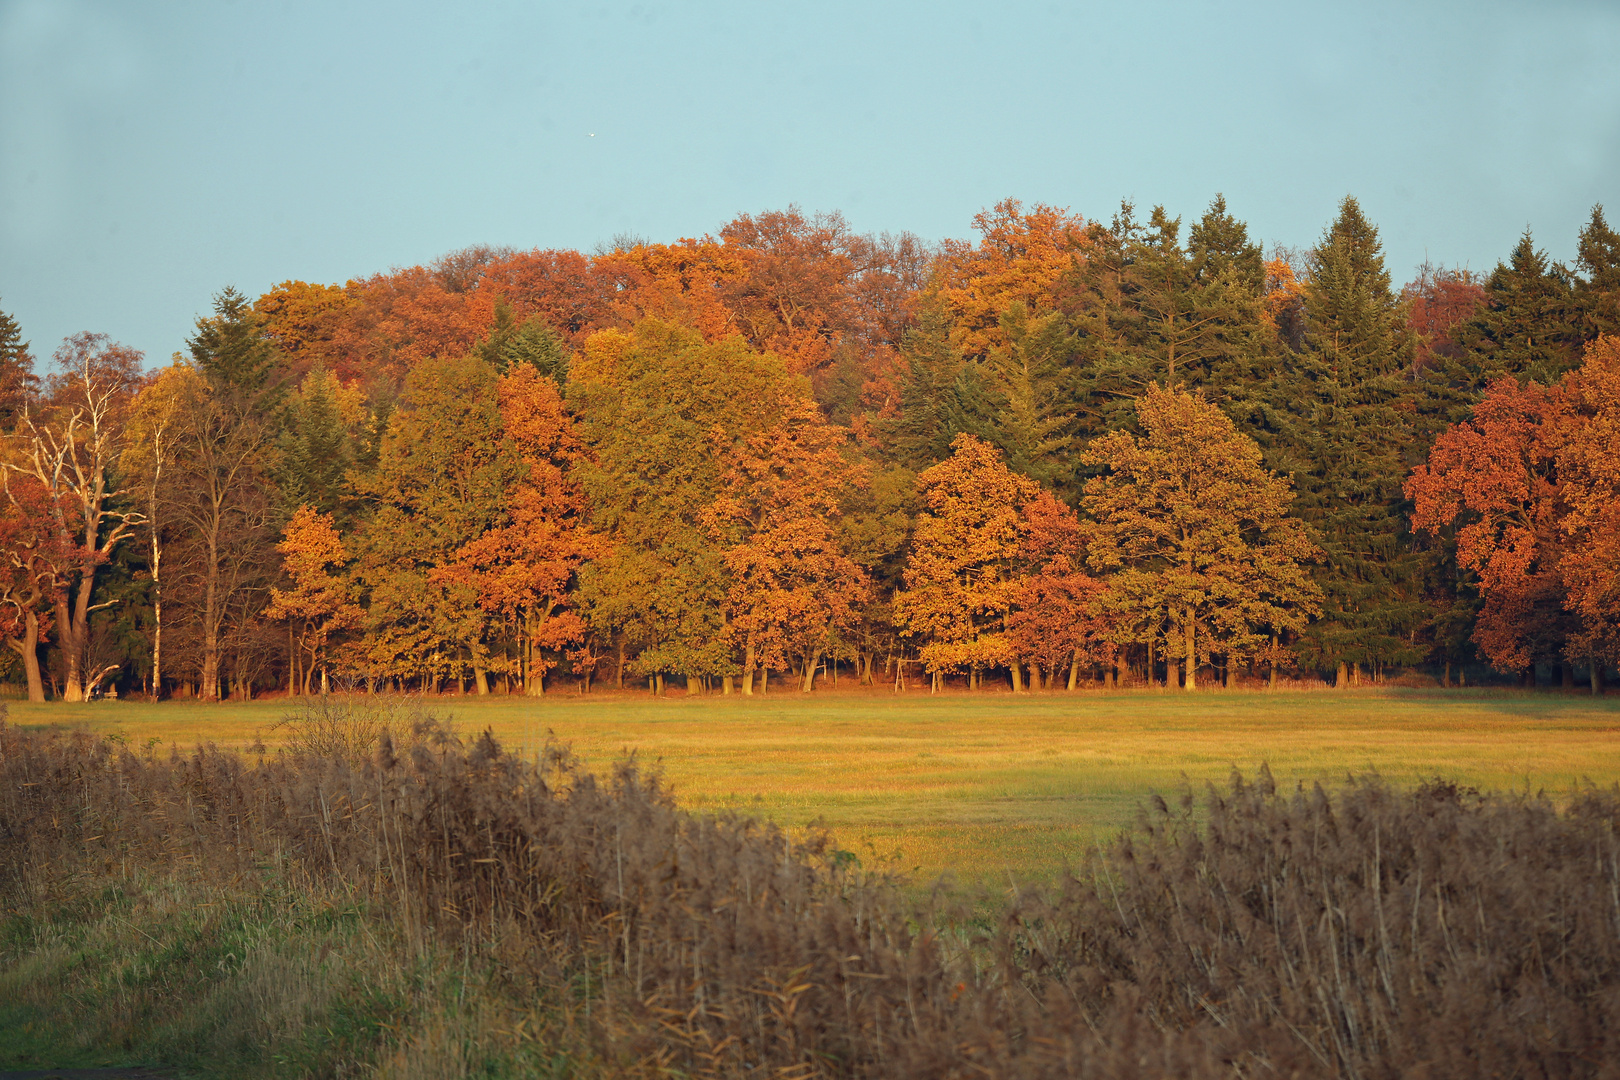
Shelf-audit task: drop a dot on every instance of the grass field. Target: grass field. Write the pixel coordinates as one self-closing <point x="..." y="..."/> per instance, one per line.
<point x="987" y="784"/>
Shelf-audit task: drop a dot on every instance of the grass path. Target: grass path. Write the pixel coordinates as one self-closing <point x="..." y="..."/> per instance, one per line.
<point x="989" y="783"/>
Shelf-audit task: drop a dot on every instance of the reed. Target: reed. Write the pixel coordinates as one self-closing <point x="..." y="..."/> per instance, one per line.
<point x="1366" y="932"/>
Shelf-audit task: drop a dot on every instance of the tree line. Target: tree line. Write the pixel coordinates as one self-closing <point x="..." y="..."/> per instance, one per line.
<point x="1063" y="451"/>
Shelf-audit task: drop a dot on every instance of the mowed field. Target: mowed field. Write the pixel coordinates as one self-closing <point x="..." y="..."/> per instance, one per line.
<point x="987" y="784"/>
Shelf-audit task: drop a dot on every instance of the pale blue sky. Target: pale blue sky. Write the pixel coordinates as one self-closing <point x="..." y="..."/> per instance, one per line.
<point x="151" y="154"/>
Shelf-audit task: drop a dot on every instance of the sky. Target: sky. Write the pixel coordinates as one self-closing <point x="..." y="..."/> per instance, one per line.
<point x="153" y="153"/>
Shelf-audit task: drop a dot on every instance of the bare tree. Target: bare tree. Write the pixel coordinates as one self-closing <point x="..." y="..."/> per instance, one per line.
<point x="68" y="440"/>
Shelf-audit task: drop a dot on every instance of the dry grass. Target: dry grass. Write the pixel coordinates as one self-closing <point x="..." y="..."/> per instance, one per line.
<point x="985" y="784"/>
<point x="1374" y="932"/>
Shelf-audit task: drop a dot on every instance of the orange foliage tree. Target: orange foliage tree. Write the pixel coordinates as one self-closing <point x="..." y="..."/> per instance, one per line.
<point x="1021" y="257"/>
<point x="794" y="590"/>
<point x="317" y="606"/>
<point x="1059" y="620"/>
<point x="34" y="563"/>
<point x="523" y="567"/>
<point x="962" y="578"/>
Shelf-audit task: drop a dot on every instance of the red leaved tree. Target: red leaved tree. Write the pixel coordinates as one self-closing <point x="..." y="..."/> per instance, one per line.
<point x="1059" y="621"/>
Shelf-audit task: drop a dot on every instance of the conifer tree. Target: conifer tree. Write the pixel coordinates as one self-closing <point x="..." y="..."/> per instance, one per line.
<point x="231" y="348"/>
<point x="1597" y="290"/>
<point x="317" y="449"/>
<point x="1530" y="325"/>
<point x="17" y="380"/>
<point x="1356" y="431"/>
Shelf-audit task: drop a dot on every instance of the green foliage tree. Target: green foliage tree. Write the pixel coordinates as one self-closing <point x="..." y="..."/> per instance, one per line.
<point x="317" y="449"/>
<point x="1358" y="428"/>
<point x="1196" y="534"/>
<point x="1597" y="289"/>
<point x="659" y="413"/>
<point x="1529" y="327"/>
<point x="17" y="380"/>
<point x="441" y="479"/>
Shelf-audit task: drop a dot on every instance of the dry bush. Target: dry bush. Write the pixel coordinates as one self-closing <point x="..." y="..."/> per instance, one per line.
<point x="1372" y="933"/>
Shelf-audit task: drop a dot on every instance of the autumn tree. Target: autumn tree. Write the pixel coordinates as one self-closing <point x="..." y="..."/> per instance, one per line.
<point x="660" y="410"/>
<point x="1021" y="256"/>
<point x="961" y="580"/>
<point x="1530" y="486"/>
<point x="794" y="591"/>
<point x="216" y="491"/>
<point x="1195" y="534"/>
<point x="317" y="606"/>
<point x="1060" y="618"/>
<point x="68" y="441"/>
<point x="523" y="567"/>
<point x="35" y="560"/>
<point x="440" y="483"/>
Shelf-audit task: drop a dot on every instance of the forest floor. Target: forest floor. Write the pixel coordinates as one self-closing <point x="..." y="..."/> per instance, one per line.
<point x="985" y="784"/>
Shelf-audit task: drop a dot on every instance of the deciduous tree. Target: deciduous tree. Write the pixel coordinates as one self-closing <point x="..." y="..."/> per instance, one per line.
<point x="1195" y="533"/>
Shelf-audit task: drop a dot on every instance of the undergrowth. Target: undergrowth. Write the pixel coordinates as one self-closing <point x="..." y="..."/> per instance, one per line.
<point x="410" y="903"/>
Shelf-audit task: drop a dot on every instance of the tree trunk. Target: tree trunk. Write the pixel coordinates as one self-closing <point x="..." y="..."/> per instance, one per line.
<point x="1017" y="677"/>
<point x="480" y="679"/>
<point x="810" y="665"/>
<point x="1568" y="673"/>
<point x="1445" y="679"/>
<point x="1597" y="678"/>
<point x="658" y="684"/>
<point x="866" y="669"/>
<point x="748" y="671"/>
<point x="27" y="647"/>
<point x="1192" y="655"/>
<point x="1343" y="681"/>
<point x="725" y="685"/>
<point x="619" y="678"/>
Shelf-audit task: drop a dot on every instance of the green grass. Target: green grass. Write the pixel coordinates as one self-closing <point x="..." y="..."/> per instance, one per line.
<point x="986" y="784"/>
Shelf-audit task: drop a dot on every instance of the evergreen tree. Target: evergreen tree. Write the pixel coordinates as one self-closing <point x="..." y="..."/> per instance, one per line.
<point x="1530" y="325"/>
<point x="317" y="450"/>
<point x="1354" y="436"/>
<point x="232" y="350"/>
<point x="1597" y="290"/>
<point x="17" y="380"/>
<point x="533" y="342"/>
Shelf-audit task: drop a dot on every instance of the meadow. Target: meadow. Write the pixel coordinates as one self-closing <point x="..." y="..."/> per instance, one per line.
<point x="983" y="785"/>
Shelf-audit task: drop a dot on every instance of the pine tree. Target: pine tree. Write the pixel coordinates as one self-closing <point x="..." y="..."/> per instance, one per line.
<point x="317" y="450"/>
<point x="1597" y="290"/>
<point x="1530" y="326"/>
<point x="1355" y="428"/>
<point x="17" y="380"/>
<point x="232" y="350"/>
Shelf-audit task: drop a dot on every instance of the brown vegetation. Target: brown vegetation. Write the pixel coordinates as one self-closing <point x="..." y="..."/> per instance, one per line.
<point x="1369" y="933"/>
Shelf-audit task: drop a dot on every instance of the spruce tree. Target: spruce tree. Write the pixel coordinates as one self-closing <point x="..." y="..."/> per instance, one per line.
<point x="317" y="451"/>
<point x="1354" y="429"/>
<point x="1530" y="325"/>
<point x="1597" y="290"/>
<point x="17" y="379"/>
<point x="232" y="350"/>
